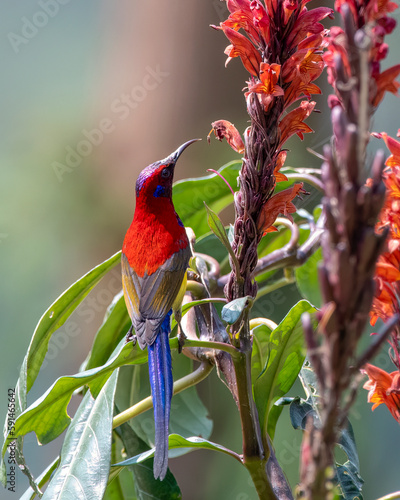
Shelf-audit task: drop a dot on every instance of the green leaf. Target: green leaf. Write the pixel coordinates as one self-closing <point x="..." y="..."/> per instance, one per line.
<point x="186" y="307"/>
<point x="348" y="443"/>
<point x="176" y="441"/>
<point x="299" y="412"/>
<point x="347" y="475"/>
<point x="121" y="483"/>
<point x="52" y="319"/>
<point x="145" y="484"/>
<point x="218" y="229"/>
<point x="188" y="414"/>
<point x="260" y="352"/>
<point x="59" y="312"/>
<point x="86" y="452"/>
<point x="190" y="194"/>
<point x="231" y="312"/>
<point x="350" y="481"/>
<point x="211" y="245"/>
<point x="284" y="356"/>
<point x="115" y="325"/>
<point x="307" y="279"/>
<point x="48" y="417"/>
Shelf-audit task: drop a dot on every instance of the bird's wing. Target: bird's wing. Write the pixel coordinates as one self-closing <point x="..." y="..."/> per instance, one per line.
<point x="149" y="298"/>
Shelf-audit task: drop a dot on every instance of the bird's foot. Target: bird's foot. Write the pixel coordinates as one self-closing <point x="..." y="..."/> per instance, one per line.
<point x="181" y="339"/>
<point x="130" y="336"/>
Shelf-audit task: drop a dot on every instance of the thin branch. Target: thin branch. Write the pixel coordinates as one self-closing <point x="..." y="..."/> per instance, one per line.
<point x="183" y="383"/>
<point x="274" y="286"/>
<point x="25" y="470"/>
<point x="391" y="496"/>
<point x="215" y="270"/>
<point x="375" y="346"/>
<point x="309" y="179"/>
<point x="287" y="256"/>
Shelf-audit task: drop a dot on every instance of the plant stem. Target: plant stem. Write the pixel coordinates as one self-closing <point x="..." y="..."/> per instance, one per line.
<point x="183" y="383"/>
<point x="275" y="286"/>
<point x="310" y="179"/>
<point x="255" y="455"/>
<point x="254" y="458"/>
<point x="391" y="496"/>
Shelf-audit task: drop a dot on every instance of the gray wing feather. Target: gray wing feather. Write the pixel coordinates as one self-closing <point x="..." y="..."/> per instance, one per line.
<point x="156" y="293"/>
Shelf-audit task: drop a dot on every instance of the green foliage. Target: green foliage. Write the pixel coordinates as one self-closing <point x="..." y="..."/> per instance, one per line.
<point x="89" y="445"/>
<point x="232" y="311"/>
<point x="114" y="327"/>
<point x="347" y="475"/>
<point x="52" y="319"/>
<point x="276" y="361"/>
<point x="218" y="229"/>
<point x="188" y="414"/>
<point x="86" y="452"/>
<point x="142" y="474"/>
<point x="48" y="417"/>
<point x="59" y="312"/>
<point x="191" y="194"/>
<point x="176" y="442"/>
<point x="307" y="279"/>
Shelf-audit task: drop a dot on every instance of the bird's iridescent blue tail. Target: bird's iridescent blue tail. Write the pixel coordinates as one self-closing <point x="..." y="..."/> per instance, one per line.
<point x="161" y="382"/>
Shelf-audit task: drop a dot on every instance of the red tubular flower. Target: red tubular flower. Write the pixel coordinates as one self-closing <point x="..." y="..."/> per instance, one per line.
<point x="280" y="44"/>
<point x="223" y="128"/>
<point x="267" y="87"/>
<point x="387" y="273"/>
<point x="385" y="82"/>
<point x="279" y="177"/>
<point x="243" y="48"/>
<point x="307" y="24"/>
<point x="293" y="122"/>
<point x="373" y="13"/>
<point x="383" y="388"/>
<point x="279" y="203"/>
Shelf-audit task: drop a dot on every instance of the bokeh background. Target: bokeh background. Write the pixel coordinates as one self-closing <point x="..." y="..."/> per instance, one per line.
<point x="92" y="92"/>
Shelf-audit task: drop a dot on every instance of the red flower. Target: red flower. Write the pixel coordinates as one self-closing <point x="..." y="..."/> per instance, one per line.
<point x="307" y="64"/>
<point x="279" y="177"/>
<point x="293" y="122"/>
<point x="383" y="388"/>
<point x="371" y="16"/>
<point x="280" y="45"/>
<point x="387" y="273"/>
<point x="223" y="128"/>
<point x="307" y="24"/>
<point x="243" y="48"/>
<point x="279" y="203"/>
<point x="385" y="82"/>
<point x="267" y="87"/>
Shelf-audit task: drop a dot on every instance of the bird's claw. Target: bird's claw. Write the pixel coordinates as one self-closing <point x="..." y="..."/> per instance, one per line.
<point x="131" y="337"/>
<point x="181" y="340"/>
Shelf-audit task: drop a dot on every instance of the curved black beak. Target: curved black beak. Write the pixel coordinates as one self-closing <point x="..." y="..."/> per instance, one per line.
<point x="176" y="154"/>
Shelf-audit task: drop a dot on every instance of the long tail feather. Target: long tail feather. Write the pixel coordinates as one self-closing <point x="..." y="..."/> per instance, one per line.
<point x="161" y="382"/>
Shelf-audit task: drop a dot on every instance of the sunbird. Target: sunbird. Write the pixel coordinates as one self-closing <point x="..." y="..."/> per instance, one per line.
<point x="155" y="258"/>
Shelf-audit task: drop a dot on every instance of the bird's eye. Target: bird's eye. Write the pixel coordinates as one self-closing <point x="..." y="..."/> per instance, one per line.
<point x="165" y="173"/>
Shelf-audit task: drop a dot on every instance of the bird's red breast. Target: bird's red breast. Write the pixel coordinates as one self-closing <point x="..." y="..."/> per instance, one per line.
<point x="155" y="234"/>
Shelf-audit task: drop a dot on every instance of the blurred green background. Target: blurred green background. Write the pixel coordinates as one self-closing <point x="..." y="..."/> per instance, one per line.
<point x="92" y="92"/>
